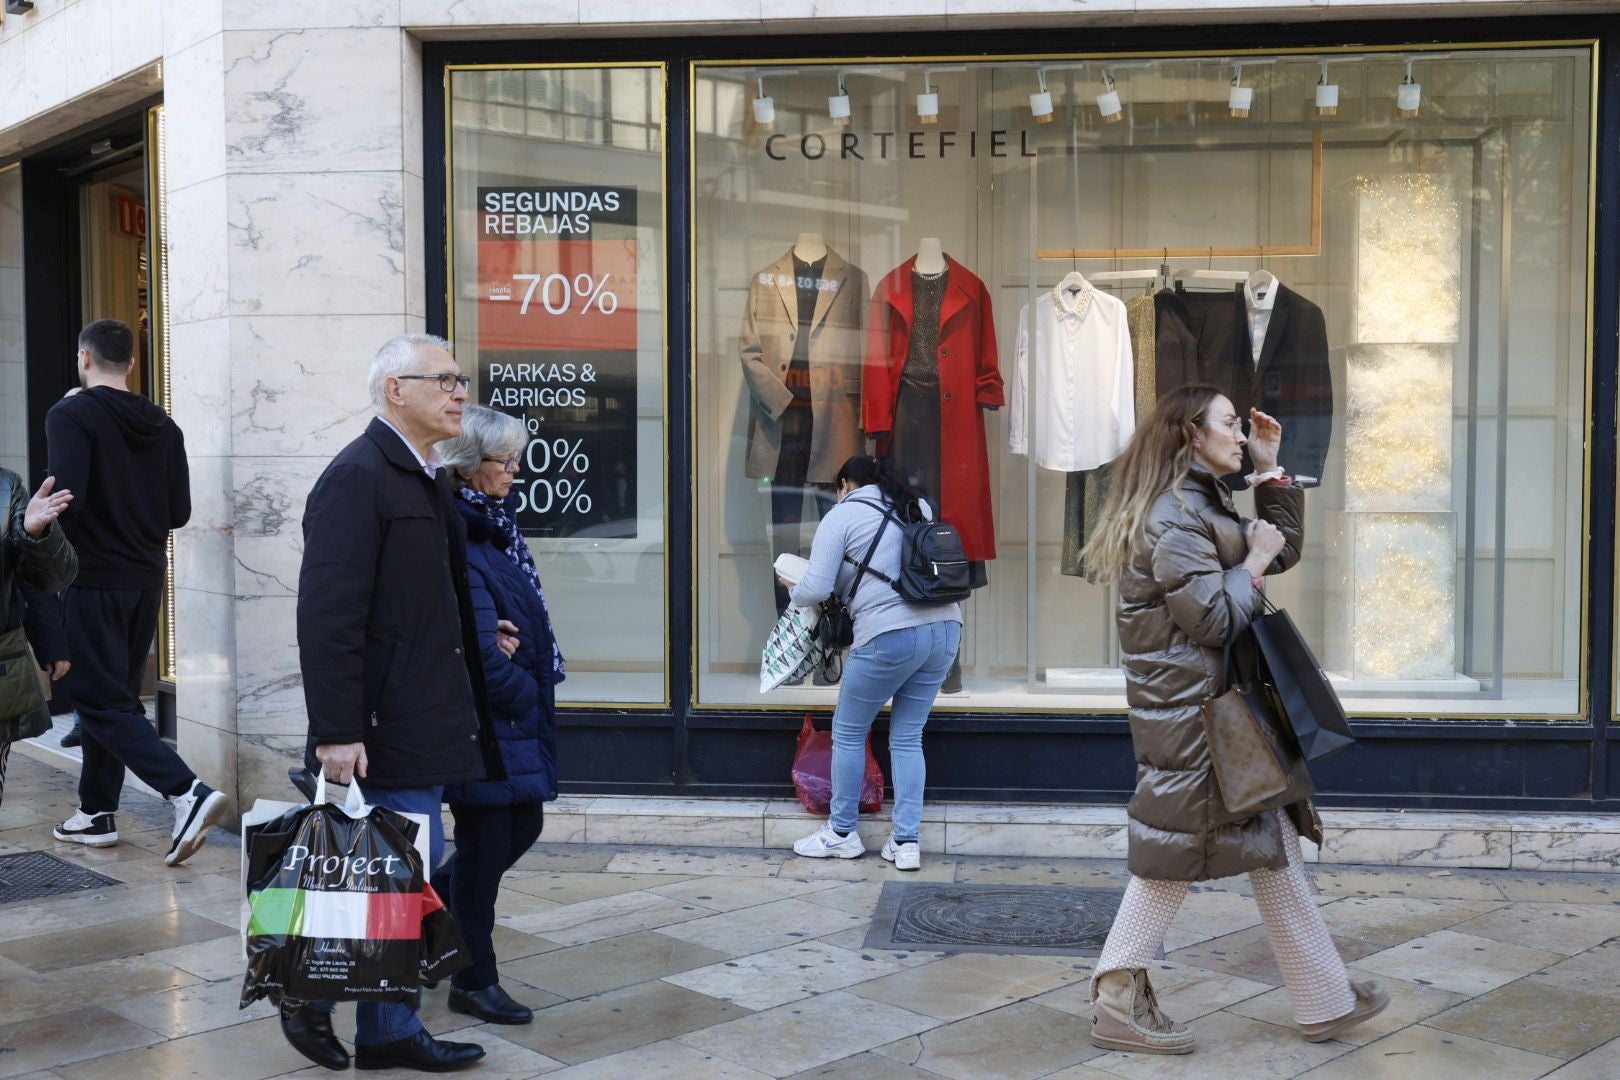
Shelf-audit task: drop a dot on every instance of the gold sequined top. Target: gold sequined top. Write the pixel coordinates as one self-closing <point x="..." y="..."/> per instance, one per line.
<point x="1143" y="324"/>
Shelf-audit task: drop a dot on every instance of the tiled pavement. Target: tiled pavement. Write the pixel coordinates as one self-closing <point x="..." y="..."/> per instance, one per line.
<point x="659" y="963"/>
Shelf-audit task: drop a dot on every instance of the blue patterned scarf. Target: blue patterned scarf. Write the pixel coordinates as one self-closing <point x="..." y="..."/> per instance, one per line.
<point x="512" y="543"/>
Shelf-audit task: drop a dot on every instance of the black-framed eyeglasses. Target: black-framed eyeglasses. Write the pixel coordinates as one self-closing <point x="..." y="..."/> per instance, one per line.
<point x="447" y="382"/>
<point x="509" y="463"/>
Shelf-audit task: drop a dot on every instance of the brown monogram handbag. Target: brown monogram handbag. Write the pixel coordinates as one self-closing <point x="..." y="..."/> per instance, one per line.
<point x="1256" y="764"/>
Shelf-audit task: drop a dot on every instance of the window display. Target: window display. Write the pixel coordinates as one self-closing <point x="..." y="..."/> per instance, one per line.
<point x="1397" y="271"/>
<point x="557" y="312"/>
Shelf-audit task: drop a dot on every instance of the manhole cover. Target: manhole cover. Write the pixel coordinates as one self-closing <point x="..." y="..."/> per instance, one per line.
<point x="993" y="918"/>
<point x="34" y="874"/>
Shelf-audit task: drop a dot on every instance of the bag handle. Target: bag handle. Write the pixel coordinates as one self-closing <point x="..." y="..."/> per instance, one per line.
<point x="354" y="804"/>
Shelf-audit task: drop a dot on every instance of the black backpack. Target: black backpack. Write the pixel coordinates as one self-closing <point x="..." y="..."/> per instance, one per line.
<point x="934" y="566"/>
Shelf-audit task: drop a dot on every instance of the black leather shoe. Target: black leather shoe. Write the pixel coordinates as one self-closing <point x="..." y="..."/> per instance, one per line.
<point x="421" y="1052"/>
<point x="491" y="1003"/>
<point x="310" y="1033"/>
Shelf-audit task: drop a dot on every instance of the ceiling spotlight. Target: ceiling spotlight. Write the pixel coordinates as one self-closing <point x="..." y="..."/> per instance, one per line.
<point x="1040" y="102"/>
<point x="1327" y="95"/>
<point x="1108" y="101"/>
<point x="928" y="103"/>
<point x="1241" y="99"/>
<point x="1409" y="95"/>
<point x="764" y="107"/>
<point x="838" y="104"/>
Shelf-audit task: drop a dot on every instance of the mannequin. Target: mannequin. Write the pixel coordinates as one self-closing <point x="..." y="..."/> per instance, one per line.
<point x="930" y="256"/>
<point x="810" y="247"/>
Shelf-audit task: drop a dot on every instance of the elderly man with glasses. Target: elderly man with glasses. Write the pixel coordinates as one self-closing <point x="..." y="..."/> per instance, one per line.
<point x="389" y="651"/>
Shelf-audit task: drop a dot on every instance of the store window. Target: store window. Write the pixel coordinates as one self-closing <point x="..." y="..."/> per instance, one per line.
<point x="557" y="286"/>
<point x="991" y="270"/>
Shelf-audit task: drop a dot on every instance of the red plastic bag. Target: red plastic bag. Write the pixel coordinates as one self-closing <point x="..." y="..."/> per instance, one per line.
<point x="812" y="772"/>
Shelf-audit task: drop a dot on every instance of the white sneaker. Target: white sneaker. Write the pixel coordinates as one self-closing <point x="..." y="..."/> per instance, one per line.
<point x="195" y="812"/>
<point x="826" y="844"/>
<point x="91" y="830"/>
<point x="904" y="856"/>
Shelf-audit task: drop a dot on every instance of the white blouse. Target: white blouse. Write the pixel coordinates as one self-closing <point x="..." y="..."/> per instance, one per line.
<point x="1084" y="401"/>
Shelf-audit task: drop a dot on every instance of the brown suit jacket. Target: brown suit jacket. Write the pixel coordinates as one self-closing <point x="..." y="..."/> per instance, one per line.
<point x="769" y="329"/>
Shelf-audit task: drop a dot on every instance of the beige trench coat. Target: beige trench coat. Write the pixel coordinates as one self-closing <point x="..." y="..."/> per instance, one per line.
<point x="1182" y="595"/>
<point x="770" y="327"/>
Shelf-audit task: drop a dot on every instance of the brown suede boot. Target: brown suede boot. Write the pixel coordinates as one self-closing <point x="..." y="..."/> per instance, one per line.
<point x="1371" y="999"/>
<point x="1125" y="1016"/>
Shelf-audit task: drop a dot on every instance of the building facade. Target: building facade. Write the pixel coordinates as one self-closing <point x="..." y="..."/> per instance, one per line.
<point x="682" y="252"/>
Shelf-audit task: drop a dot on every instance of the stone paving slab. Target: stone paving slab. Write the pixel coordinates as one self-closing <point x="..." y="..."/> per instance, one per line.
<point x="712" y="963"/>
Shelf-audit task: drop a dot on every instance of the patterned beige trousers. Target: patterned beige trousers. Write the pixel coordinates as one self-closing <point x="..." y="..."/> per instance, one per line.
<point x="1311" y="966"/>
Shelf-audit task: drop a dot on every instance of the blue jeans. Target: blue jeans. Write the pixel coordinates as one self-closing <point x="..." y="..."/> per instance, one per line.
<point x="385" y="1022"/>
<point x="908" y="665"/>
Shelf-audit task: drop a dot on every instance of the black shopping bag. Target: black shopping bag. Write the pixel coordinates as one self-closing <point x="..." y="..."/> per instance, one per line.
<point x="339" y="906"/>
<point x="1307" y="698"/>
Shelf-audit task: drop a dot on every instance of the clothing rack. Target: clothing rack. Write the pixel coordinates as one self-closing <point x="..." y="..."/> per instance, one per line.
<point x="1257" y="251"/>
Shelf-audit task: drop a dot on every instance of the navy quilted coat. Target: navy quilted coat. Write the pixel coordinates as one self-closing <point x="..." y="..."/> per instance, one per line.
<point x="521" y="690"/>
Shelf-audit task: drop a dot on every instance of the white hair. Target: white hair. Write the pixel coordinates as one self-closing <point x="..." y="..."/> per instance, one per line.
<point x="484" y="433"/>
<point x="398" y="356"/>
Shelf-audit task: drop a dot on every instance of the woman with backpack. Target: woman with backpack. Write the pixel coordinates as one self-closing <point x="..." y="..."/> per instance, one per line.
<point x="902" y="649"/>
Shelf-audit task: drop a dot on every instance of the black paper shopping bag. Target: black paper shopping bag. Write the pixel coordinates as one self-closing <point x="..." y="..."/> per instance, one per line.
<point x="1307" y="698"/>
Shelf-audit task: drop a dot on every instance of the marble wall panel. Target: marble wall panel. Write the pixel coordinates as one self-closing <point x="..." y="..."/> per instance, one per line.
<point x="203" y="549"/>
<point x="308" y="14"/>
<point x="268" y="511"/>
<point x="313" y="100"/>
<point x="199" y="257"/>
<point x="415" y="252"/>
<point x="317" y="243"/>
<point x="200" y="371"/>
<point x="211" y="753"/>
<point x="410" y="54"/>
<point x="186" y="22"/>
<point x="487" y="12"/>
<point x="194" y="113"/>
<point x="269" y="688"/>
<point x="205" y="650"/>
<point x="300" y="381"/>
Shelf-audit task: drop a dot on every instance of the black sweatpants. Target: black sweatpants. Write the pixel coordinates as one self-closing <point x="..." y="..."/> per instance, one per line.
<point x="110" y="636"/>
<point x="489" y="839"/>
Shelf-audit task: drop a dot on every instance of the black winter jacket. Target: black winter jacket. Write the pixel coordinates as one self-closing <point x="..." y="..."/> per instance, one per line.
<point x="522" y="690"/>
<point x="125" y="462"/>
<point x="386" y="638"/>
<point x="47" y="564"/>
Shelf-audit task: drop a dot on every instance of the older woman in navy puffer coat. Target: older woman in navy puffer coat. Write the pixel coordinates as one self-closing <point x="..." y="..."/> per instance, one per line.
<point x="498" y="820"/>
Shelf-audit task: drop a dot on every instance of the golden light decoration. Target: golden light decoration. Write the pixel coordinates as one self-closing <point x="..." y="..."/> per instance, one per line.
<point x="1398" y="424"/>
<point x="1405" y="583"/>
<point x="1409" y="261"/>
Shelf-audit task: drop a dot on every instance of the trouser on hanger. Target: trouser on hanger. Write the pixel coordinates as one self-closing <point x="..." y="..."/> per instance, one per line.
<point x="1312" y="969"/>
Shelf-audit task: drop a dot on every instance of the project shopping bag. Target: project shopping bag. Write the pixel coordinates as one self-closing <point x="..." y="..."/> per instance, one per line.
<point x="1307" y="698"/>
<point x="812" y="772"/>
<point x="340" y="908"/>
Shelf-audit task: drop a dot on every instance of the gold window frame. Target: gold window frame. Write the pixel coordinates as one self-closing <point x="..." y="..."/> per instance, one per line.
<point x="450" y="281"/>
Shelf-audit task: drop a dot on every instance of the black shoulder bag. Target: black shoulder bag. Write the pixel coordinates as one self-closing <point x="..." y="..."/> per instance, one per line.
<point x="836" y="629"/>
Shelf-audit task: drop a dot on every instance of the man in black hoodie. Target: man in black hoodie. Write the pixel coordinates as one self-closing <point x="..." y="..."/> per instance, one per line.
<point x="125" y="462"/>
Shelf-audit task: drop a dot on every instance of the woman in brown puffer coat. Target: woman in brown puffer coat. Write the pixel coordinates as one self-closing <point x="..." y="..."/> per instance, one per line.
<point x="1190" y="571"/>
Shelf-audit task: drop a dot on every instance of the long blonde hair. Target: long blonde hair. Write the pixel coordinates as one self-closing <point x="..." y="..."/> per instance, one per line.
<point x="1157" y="459"/>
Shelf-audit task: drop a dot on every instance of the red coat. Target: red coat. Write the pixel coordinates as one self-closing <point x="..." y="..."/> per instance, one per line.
<point x="969" y="377"/>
